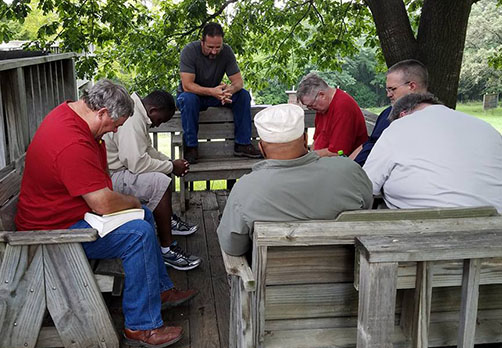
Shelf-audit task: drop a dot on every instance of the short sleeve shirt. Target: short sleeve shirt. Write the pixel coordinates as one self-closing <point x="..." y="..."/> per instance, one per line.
<point x="342" y="127"/>
<point x="208" y="72"/>
<point x="63" y="162"/>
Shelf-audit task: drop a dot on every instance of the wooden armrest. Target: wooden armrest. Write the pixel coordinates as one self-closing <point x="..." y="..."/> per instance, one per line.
<point x="51" y="236"/>
<point x="238" y="266"/>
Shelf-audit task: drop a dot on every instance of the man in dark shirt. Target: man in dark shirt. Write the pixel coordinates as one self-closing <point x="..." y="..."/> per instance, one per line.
<point x="405" y="77"/>
<point x="202" y="67"/>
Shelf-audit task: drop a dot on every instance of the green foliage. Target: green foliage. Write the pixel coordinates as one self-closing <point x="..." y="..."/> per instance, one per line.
<point x="483" y="44"/>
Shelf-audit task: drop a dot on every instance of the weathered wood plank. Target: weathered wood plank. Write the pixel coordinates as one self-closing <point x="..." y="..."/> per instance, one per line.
<point x="10" y="186"/>
<point x="310" y="265"/>
<point x="240" y="328"/>
<point x="219" y="115"/>
<point x="17" y="63"/>
<point x="238" y="266"/>
<point x="203" y="325"/>
<point x="430" y="247"/>
<point x="441" y="335"/>
<point x="330" y="232"/>
<point x="219" y="278"/>
<point x="469" y="306"/>
<point x="423" y="301"/>
<point x="3" y="140"/>
<point x="74" y="300"/>
<point x="259" y="301"/>
<point x="22" y="296"/>
<point x="416" y="214"/>
<point x="7" y="214"/>
<point x="310" y="301"/>
<point x="219" y="173"/>
<point x="52" y="236"/>
<point x="377" y="293"/>
<point x="112" y="267"/>
<point x="49" y="338"/>
<point x="69" y="79"/>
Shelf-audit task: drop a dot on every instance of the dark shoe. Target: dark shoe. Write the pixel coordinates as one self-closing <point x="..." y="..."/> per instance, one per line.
<point x="191" y="154"/>
<point x="174" y="297"/>
<point x="246" y="151"/>
<point x="182" y="228"/>
<point x="160" y="337"/>
<point x="180" y="260"/>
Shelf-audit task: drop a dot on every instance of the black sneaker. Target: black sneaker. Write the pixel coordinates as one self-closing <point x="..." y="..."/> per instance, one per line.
<point x="246" y="151"/>
<point x="181" y="228"/>
<point x="191" y="154"/>
<point x="178" y="259"/>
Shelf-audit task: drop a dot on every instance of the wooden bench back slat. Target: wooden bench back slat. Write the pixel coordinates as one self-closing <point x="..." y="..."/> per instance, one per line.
<point x="9" y="186"/>
<point x="332" y="232"/>
<point x="218" y="116"/>
<point x="416" y="214"/>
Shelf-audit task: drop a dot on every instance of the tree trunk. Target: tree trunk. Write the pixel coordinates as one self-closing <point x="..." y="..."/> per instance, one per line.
<point x="441" y="41"/>
<point x="439" y="45"/>
<point x="394" y="30"/>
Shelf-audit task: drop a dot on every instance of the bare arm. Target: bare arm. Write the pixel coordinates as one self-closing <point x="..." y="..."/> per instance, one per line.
<point x="356" y="152"/>
<point x="325" y="153"/>
<point x="106" y="201"/>
<point x="189" y="85"/>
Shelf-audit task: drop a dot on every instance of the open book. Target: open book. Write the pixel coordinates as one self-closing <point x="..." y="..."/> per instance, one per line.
<point x="108" y="222"/>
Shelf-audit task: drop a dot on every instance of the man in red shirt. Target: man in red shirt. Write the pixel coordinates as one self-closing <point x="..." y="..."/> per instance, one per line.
<point x="339" y="122"/>
<point x="66" y="175"/>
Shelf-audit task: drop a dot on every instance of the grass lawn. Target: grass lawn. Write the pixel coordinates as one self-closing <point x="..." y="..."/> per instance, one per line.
<point x="492" y="116"/>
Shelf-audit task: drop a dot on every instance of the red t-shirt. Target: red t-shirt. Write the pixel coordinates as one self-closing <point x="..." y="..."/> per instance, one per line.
<point x="342" y="127"/>
<point x="63" y="162"/>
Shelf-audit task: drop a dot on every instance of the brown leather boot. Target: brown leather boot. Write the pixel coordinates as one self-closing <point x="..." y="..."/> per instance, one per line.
<point x="160" y="337"/>
<point x="174" y="297"/>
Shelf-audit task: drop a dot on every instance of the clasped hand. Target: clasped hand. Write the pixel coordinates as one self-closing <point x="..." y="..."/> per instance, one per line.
<point x="180" y="167"/>
<point x="222" y="92"/>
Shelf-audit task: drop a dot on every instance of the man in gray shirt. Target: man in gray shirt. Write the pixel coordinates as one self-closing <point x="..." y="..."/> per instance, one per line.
<point x="202" y="67"/>
<point x="291" y="184"/>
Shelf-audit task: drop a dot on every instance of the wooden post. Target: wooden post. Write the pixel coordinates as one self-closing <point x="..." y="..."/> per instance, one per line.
<point x="377" y="302"/>
<point x="423" y="300"/>
<point x="259" y="269"/>
<point x="469" y="306"/>
<point x="22" y="297"/>
<point x="74" y="300"/>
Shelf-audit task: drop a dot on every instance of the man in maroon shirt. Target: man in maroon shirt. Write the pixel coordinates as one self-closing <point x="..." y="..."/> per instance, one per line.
<point x="66" y="175"/>
<point x="339" y="122"/>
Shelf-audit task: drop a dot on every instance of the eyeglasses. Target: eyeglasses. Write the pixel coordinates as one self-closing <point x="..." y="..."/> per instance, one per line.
<point x="393" y="89"/>
<point x="311" y="105"/>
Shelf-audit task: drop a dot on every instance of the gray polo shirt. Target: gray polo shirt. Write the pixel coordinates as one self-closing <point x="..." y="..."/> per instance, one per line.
<point x="306" y="188"/>
<point x="208" y="72"/>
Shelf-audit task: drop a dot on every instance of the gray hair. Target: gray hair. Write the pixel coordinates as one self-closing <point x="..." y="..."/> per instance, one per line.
<point x="109" y="95"/>
<point x="409" y="102"/>
<point x="412" y="70"/>
<point x="310" y="85"/>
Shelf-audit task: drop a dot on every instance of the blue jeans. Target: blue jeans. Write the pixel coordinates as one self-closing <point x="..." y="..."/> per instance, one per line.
<point x="191" y="104"/>
<point x="135" y="243"/>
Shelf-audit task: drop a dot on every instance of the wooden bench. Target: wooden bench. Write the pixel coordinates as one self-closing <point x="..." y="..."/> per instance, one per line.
<point x="47" y="270"/>
<point x="216" y="146"/>
<point x="299" y="290"/>
<point x="379" y="258"/>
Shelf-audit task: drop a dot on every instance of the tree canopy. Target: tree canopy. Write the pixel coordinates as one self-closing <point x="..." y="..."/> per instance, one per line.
<point x="139" y="41"/>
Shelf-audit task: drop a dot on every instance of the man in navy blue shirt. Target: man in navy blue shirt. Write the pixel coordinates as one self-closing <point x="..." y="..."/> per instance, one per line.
<point x="405" y="77"/>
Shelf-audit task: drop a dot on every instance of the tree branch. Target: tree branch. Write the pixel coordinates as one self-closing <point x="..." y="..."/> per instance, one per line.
<point x="203" y="23"/>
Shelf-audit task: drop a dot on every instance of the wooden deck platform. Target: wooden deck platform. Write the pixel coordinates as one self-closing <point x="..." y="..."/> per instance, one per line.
<point x="205" y="318"/>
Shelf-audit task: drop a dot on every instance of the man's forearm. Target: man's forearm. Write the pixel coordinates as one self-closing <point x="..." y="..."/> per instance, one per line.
<point x="195" y="88"/>
<point x="106" y="201"/>
<point x="325" y="153"/>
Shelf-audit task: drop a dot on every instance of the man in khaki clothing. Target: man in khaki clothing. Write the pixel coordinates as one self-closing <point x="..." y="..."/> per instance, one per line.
<point x="138" y="169"/>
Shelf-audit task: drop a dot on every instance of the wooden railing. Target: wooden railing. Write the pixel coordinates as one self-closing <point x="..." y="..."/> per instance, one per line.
<point x="29" y="89"/>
